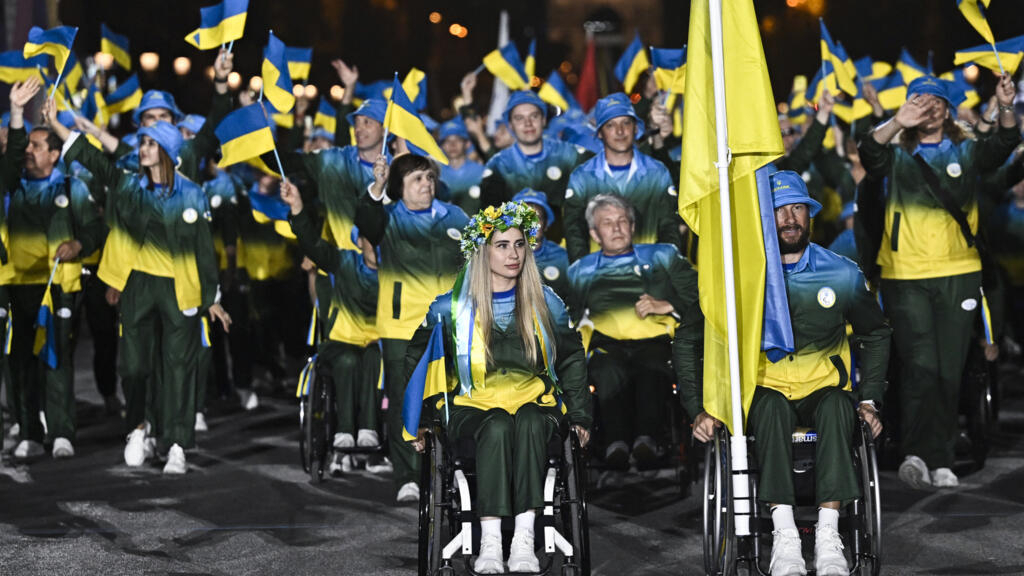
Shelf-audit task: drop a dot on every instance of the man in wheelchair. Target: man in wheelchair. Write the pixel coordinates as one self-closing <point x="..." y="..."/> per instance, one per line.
<point x="811" y="387"/>
<point x="628" y="301"/>
<point x="518" y="368"/>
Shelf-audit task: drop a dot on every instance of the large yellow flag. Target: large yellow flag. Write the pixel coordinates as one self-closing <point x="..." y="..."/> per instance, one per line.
<point x="754" y="140"/>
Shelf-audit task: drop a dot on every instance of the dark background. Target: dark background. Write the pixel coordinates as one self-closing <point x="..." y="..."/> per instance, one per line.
<point x="382" y="36"/>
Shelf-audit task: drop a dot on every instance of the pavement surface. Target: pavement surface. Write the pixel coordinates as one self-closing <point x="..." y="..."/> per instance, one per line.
<point x="246" y="507"/>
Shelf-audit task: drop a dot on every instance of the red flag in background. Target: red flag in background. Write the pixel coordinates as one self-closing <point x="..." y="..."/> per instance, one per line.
<point x="586" y="91"/>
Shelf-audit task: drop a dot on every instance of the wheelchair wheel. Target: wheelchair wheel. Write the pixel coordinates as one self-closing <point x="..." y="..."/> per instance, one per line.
<point x="304" y="417"/>
<point x="719" y="537"/>
<point x="432" y="509"/>
<point x="574" y="515"/>
<point x="319" y="417"/>
<point x="870" y="560"/>
<point x="980" y="417"/>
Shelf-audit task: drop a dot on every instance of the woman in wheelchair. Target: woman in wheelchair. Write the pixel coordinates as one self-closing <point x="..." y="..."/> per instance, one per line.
<point x="810" y="386"/>
<point x="519" y="370"/>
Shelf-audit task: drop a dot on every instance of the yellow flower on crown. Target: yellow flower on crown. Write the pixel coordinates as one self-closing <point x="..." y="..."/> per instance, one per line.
<point x="492" y="212"/>
<point x="508" y="215"/>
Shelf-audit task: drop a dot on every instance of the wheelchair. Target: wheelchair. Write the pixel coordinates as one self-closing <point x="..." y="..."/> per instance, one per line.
<point x="318" y="418"/>
<point x="448" y="524"/>
<point x="860" y="524"/>
<point x="979" y="405"/>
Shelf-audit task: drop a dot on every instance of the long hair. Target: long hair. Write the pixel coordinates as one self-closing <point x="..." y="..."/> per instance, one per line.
<point x="530" y="301"/>
<point x="911" y="137"/>
<point x="167" y="169"/>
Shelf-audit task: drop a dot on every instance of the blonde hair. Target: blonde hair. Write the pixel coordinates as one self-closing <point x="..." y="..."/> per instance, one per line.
<point x="530" y="302"/>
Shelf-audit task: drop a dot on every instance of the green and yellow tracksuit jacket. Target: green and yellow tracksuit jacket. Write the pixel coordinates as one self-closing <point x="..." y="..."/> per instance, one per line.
<point x="420" y="257"/>
<point x="645" y="183"/>
<point x="920" y="238"/>
<point x="11" y="164"/>
<point x="154" y="230"/>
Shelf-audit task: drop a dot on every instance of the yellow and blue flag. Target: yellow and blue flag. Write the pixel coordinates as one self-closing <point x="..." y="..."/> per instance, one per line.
<point x="755" y="141"/>
<point x="1011" y="52"/>
<point x="277" y="84"/>
<point x="555" y="92"/>
<point x="219" y="24"/>
<point x="961" y="85"/>
<point x="94" y="107"/>
<point x="401" y="119"/>
<point x="632" y="63"/>
<point x="117" y="46"/>
<point x="530" y="66"/>
<point x="415" y="86"/>
<point x="127" y="97"/>
<point x="73" y="73"/>
<point x="56" y="42"/>
<point x="975" y="14"/>
<point x="14" y="67"/>
<point x="326" y="116"/>
<point x="299" y="61"/>
<point x="670" y="71"/>
<point x="507" y="66"/>
<point x="868" y="69"/>
<point x="46" y="333"/>
<point x="204" y="332"/>
<point x="909" y="68"/>
<point x="428" y="379"/>
<point x="244" y="134"/>
<point x="271" y="209"/>
<point x="797" y="101"/>
<point x="836" y="63"/>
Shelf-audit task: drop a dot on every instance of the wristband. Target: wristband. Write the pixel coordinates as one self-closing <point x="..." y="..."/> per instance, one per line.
<point x="984" y="120"/>
<point x="1006" y="107"/>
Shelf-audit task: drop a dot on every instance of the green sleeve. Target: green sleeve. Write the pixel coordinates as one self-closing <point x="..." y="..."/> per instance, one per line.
<point x="871" y="335"/>
<point x="571" y="368"/>
<point x="312" y="244"/>
<point x="206" y="262"/>
<point x="342" y="137"/>
<point x="799" y="160"/>
<point x="991" y="152"/>
<point x="204" y="145"/>
<point x="122" y="150"/>
<point x="876" y="158"/>
<point x="89" y="227"/>
<point x="14" y="160"/>
<point x="104" y="172"/>
<point x="684" y="295"/>
<point x="371" y="219"/>
<point x="687" y="359"/>
<point x="577" y="233"/>
<point x="836" y="174"/>
<point x="306" y="164"/>
<point x="668" y="215"/>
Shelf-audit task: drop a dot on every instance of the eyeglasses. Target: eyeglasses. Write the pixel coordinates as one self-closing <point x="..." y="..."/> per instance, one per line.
<point x="792" y="131"/>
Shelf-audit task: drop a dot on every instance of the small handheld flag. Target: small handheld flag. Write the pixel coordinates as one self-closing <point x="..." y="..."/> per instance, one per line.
<point x="326" y="116"/>
<point x="277" y="84"/>
<point x="556" y="93"/>
<point x="55" y="42"/>
<point x="507" y="66"/>
<point x="46" y="333"/>
<point x="428" y="379"/>
<point x="975" y="14"/>
<point x="632" y="63"/>
<point x="530" y="66"/>
<point x="14" y="67"/>
<point x="299" y="61"/>
<point x="1003" y="56"/>
<point x="219" y="24"/>
<point x="244" y="134"/>
<point x="117" y="46"/>
<point x="127" y="97"/>
<point x="835" y="60"/>
<point x="415" y="86"/>
<point x="401" y="120"/>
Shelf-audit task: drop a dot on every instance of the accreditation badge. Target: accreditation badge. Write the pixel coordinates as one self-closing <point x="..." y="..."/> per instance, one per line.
<point x="826" y="297"/>
<point x="954" y="170"/>
<point x="554" y="172"/>
<point x="190" y="215"/>
<point x="551" y="273"/>
<point x="61" y="201"/>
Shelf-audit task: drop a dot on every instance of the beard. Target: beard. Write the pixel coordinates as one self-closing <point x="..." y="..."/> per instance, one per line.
<point x="796" y="246"/>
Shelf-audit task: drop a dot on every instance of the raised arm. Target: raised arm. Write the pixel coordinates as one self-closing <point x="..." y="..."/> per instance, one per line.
<point x="17" y="140"/>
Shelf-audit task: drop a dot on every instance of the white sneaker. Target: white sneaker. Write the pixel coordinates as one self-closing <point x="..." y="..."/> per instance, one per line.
<point x="14" y="431"/>
<point x="340" y="464"/>
<point x="944" y="478"/>
<point x="135" y="449"/>
<point x="62" y="448"/>
<point x="787" y="555"/>
<point x="383" y="466"/>
<point x="914" y="473"/>
<point x="201" y="423"/>
<point x="367" y="438"/>
<point x="409" y="492"/>
<point x="488" y="561"/>
<point x="28" y="449"/>
<point x="523" y="557"/>
<point x="828" y="553"/>
<point x="344" y="440"/>
<point x="175" y="461"/>
<point x="250" y="401"/>
<point x="616" y="456"/>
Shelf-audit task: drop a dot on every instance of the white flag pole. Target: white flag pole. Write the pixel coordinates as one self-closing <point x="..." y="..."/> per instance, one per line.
<point x="738" y="442"/>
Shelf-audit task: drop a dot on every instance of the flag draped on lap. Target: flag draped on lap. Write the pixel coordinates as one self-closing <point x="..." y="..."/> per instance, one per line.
<point x="507" y="66"/>
<point x="277" y="84"/>
<point x="402" y="121"/>
<point x="117" y="46"/>
<point x="632" y="63"/>
<point x="429" y="378"/>
<point x="56" y="42"/>
<point x="219" y="24"/>
<point x="755" y="141"/>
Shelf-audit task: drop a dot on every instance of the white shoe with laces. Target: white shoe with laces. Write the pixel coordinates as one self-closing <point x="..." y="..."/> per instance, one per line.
<point x="409" y="492"/>
<point x="28" y="449"/>
<point x="135" y="449"/>
<point x="201" y="425"/>
<point x="367" y="438"/>
<point x="344" y="440"/>
<point x="914" y="473"/>
<point x="381" y="466"/>
<point x="523" y="556"/>
<point x="488" y="561"/>
<point x="944" y="478"/>
<point x="175" y="461"/>
<point x="787" y="554"/>
<point x="250" y="401"/>
<point x="62" y="448"/>
<point x="828" y="553"/>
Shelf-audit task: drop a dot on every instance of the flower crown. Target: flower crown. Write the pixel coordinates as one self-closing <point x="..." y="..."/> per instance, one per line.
<point x="508" y="215"/>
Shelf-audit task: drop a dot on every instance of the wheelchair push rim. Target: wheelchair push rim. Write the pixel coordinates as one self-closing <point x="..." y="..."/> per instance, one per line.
<point x="718" y="537"/>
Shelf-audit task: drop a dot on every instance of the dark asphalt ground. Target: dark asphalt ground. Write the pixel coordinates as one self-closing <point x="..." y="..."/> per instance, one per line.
<point x="246" y="507"/>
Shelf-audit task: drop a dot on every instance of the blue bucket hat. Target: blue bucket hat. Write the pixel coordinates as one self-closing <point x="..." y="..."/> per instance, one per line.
<point x="371" y="108"/>
<point x="157" y="99"/>
<point x="524" y="97"/>
<point x="166" y="136"/>
<point x="531" y="196"/>
<point x="193" y="122"/>
<point x="614" y="106"/>
<point x="453" y="127"/>
<point x="321" y="132"/>
<point x="789" y="188"/>
<point x="937" y="87"/>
